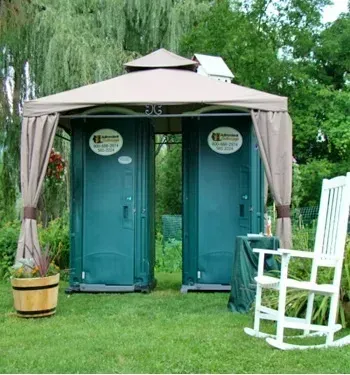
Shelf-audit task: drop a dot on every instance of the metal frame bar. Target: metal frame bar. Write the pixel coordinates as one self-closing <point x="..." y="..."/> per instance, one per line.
<point x="168" y="143"/>
<point x="156" y="116"/>
<point x="60" y="136"/>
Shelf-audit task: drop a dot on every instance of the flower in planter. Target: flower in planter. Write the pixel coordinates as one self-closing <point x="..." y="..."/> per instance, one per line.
<point x="41" y="264"/>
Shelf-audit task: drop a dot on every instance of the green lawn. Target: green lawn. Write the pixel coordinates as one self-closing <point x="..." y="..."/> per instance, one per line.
<point x="162" y="332"/>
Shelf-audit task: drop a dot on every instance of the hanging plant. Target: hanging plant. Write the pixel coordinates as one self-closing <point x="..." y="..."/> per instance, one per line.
<point x="52" y="201"/>
<point x="56" y="168"/>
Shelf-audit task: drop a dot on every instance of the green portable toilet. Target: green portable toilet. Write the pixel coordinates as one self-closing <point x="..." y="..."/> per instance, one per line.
<point x="222" y="195"/>
<point x="112" y="213"/>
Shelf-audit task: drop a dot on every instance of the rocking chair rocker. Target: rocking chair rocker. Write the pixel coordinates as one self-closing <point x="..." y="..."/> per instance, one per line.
<point x="328" y="252"/>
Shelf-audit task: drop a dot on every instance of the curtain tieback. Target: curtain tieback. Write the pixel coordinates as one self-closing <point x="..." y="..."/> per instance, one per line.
<point x="283" y="211"/>
<point x="29" y="213"/>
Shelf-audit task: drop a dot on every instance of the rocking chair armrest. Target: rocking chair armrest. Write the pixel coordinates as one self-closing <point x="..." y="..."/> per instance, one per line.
<point x="297" y="253"/>
<point x="266" y="251"/>
<point x="262" y="253"/>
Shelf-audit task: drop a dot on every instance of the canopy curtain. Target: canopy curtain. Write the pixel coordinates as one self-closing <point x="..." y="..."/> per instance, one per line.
<point x="274" y="134"/>
<point x="37" y="137"/>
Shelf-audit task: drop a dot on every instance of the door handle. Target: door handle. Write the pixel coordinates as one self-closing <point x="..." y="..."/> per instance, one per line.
<point x="125" y="212"/>
<point x="241" y="210"/>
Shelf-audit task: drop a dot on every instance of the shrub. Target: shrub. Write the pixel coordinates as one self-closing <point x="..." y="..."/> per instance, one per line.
<point x="304" y="238"/>
<point x="168" y="255"/>
<point x="311" y="176"/>
<point x="9" y="234"/>
<point x="56" y="235"/>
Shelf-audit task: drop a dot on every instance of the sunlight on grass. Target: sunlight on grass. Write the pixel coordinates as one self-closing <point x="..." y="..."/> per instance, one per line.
<point x="160" y="332"/>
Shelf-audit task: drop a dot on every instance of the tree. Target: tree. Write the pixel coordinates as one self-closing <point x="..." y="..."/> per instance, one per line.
<point x="332" y="53"/>
<point x="281" y="47"/>
<point x="311" y="176"/>
<point x="228" y="32"/>
<point x="48" y="46"/>
<point x="169" y="180"/>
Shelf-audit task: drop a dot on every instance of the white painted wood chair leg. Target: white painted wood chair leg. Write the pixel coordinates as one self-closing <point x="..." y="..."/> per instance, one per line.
<point x="282" y="299"/>
<point x="257" y="309"/>
<point x="258" y="301"/>
<point x="332" y="317"/>
<point x="258" y="294"/>
<point x="280" y="316"/>
<point x="309" y="310"/>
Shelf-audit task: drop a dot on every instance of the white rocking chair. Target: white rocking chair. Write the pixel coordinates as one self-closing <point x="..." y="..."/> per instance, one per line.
<point x="328" y="252"/>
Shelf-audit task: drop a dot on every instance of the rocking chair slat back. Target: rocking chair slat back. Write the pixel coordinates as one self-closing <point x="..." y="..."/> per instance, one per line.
<point x="332" y="221"/>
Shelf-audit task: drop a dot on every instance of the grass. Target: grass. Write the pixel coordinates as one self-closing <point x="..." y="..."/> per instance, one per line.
<point x="162" y="332"/>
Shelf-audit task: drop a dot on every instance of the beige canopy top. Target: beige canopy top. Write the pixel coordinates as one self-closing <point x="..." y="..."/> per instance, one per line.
<point x="161" y="59"/>
<point x="159" y="78"/>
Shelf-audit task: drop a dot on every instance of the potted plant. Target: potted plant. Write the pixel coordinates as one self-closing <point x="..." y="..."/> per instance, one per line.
<point x="35" y="284"/>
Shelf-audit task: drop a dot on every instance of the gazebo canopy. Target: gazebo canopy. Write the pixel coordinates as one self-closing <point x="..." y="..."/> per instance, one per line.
<point x="161" y="59"/>
<point x="159" y="78"/>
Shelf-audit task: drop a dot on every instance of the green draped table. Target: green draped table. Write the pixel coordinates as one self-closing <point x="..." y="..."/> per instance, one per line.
<point x="245" y="267"/>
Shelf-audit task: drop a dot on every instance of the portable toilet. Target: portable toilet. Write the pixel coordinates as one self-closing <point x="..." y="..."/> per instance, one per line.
<point x="112" y="246"/>
<point x="222" y="195"/>
<point x="223" y="188"/>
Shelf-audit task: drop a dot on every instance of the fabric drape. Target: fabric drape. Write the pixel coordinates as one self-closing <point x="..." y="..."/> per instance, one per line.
<point x="274" y="134"/>
<point x="36" y="143"/>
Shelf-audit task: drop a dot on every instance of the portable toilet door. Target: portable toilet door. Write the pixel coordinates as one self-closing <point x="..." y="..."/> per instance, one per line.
<point x="112" y="205"/>
<point x="222" y="195"/>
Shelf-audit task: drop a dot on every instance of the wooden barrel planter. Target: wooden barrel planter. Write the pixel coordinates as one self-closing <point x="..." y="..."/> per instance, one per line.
<point x="36" y="297"/>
